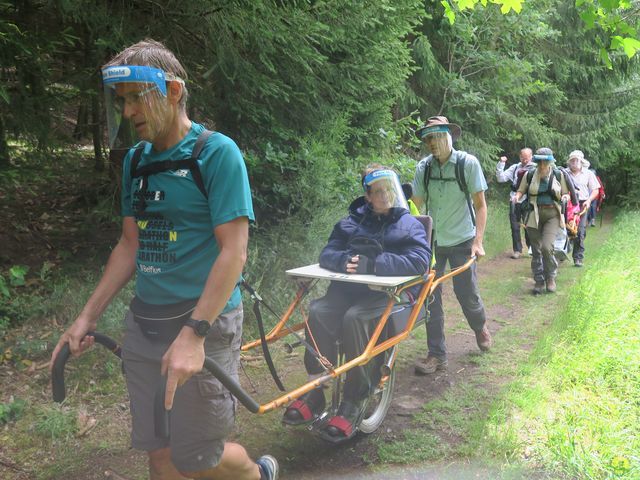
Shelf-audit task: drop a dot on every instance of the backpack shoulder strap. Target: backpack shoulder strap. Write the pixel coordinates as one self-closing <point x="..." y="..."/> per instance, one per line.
<point x="135" y="160"/>
<point x="462" y="183"/>
<point x="195" y="168"/>
<point x="570" y="185"/>
<point x="460" y="178"/>
<point x="530" y="176"/>
<point x="425" y="179"/>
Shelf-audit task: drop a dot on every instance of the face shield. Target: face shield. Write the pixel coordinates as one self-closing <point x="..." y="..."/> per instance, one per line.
<point x="439" y="141"/>
<point x="383" y="191"/>
<point x="136" y="103"/>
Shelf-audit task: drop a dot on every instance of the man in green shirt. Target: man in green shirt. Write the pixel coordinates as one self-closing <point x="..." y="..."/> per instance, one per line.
<point x="458" y="231"/>
<point x="186" y="207"/>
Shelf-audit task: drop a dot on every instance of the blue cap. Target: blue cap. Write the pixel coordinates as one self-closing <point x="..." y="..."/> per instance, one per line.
<point x="544" y="158"/>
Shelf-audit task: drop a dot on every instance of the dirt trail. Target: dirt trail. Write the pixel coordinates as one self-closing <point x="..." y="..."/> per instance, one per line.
<point x="318" y="460"/>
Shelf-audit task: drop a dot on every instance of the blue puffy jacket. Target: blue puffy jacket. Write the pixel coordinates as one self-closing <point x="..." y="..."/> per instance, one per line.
<point x="405" y="250"/>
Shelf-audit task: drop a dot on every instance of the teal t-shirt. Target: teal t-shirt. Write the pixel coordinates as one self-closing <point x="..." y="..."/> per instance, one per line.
<point x="177" y="246"/>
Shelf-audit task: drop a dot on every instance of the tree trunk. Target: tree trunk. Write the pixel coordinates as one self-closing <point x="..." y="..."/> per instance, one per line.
<point x="81" y="129"/>
<point x="4" y="148"/>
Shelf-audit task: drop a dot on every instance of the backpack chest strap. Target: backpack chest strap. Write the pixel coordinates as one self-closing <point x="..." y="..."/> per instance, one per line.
<point x="169" y="165"/>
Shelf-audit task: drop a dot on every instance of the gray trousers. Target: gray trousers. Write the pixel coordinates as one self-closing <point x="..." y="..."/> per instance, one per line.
<point x="465" y="286"/>
<point x="543" y="261"/>
<point x="348" y="315"/>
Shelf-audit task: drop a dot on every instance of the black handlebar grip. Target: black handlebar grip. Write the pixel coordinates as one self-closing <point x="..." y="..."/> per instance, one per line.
<point x="57" y="372"/>
<point x="234" y="387"/>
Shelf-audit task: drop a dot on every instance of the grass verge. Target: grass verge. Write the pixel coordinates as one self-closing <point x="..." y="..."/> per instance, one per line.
<point x="575" y="407"/>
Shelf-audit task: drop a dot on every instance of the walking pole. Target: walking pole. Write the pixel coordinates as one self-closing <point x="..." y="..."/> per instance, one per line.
<point x="601" y="215"/>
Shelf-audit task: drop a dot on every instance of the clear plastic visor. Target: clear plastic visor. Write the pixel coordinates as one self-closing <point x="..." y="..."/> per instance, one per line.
<point x="383" y="191"/>
<point x="135" y="103"/>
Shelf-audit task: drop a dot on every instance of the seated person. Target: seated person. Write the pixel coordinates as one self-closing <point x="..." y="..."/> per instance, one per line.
<point x="378" y="237"/>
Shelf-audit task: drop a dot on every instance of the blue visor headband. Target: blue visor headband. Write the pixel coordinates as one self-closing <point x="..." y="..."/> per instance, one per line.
<point x="435" y="129"/>
<point x="544" y="158"/>
<point x="377" y="175"/>
<point x="135" y="74"/>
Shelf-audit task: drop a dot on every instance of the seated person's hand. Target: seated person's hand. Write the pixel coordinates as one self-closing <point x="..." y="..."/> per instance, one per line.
<point x="360" y="264"/>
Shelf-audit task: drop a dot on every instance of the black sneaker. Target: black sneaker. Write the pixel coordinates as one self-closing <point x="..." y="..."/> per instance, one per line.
<point x="269" y="468"/>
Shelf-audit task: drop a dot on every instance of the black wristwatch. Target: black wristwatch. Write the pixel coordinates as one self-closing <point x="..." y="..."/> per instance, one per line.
<point x="201" y="327"/>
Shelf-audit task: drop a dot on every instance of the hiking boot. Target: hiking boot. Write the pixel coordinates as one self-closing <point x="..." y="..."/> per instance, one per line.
<point x="516" y="255"/>
<point x="429" y="365"/>
<point x="538" y="288"/>
<point x="577" y="263"/>
<point x="551" y="285"/>
<point x="483" y="339"/>
<point x="269" y="468"/>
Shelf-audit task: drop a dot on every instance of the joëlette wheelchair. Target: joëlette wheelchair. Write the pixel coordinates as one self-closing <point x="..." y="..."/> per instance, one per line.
<point x="394" y="326"/>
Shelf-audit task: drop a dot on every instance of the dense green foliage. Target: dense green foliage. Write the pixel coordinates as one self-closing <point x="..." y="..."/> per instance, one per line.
<point x="314" y="90"/>
<point x="274" y="74"/>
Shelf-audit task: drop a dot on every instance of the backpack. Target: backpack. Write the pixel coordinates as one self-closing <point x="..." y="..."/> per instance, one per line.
<point x="459" y="178"/>
<point x="557" y="172"/>
<point x="601" y="194"/>
<point x="168" y="165"/>
<point x="520" y="173"/>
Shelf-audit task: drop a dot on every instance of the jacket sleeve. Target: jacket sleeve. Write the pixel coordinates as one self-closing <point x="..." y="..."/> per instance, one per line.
<point x="507" y="175"/>
<point x="411" y="257"/>
<point x="334" y="255"/>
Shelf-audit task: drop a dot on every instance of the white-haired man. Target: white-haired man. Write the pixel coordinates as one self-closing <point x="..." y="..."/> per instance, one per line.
<point x="587" y="189"/>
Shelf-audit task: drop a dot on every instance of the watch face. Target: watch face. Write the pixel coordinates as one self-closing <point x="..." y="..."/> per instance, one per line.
<point x="203" y="328"/>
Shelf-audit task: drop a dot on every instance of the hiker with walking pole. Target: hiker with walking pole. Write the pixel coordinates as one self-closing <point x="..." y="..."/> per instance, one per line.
<point x="186" y="206"/>
<point x="546" y="187"/>
<point x="587" y="189"/>
<point x="451" y="185"/>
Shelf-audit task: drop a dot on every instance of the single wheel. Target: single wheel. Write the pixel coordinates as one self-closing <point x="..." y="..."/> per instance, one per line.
<point x="378" y="404"/>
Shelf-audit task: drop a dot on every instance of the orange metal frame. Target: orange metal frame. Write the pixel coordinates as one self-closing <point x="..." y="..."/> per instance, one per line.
<point x="429" y="283"/>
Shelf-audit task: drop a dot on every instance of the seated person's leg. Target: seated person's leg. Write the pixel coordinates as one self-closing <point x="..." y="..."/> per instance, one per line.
<point x="325" y="319"/>
<point x="359" y="323"/>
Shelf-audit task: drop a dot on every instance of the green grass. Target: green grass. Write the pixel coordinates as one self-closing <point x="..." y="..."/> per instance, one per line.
<point x="576" y="406"/>
<point x="497" y="238"/>
<point x="56" y="423"/>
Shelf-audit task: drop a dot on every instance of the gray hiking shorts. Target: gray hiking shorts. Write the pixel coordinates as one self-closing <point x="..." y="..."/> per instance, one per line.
<point x="203" y="412"/>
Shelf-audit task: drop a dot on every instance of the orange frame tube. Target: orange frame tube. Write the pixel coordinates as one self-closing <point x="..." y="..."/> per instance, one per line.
<point x="429" y="283"/>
